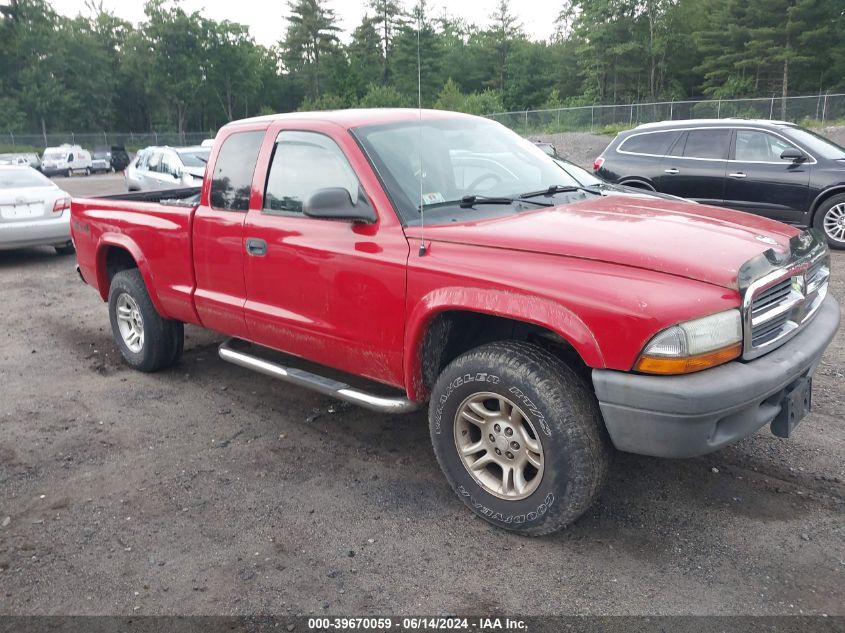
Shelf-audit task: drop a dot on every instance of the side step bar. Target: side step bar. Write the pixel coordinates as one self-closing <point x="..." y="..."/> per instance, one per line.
<point x="321" y="384"/>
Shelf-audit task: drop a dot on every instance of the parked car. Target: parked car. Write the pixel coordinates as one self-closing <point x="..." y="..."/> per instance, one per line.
<point x="132" y="173"/>
<point x="589" y="179"/>
<point x="168" y="168"/>
<point x="768" y="168"/>
<point x="101" y="160"/>
<point x="540" y="320"/>
<point x="119" y="157"/>
<point x="28" y="158"/>
<point x="33" y="210"/>
<point x="66" y="160"/>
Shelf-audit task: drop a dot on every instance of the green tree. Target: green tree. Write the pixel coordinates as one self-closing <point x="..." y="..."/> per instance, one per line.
<point x="366" y="61"/>
<point x="311" y="34"/>
<point x="418" y="35"/>
<point x="387" y="20"/>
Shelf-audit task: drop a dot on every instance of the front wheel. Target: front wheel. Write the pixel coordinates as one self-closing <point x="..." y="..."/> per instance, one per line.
<point x="69" y="173"/>
<point x="147" y="341"/>
<point x="830" y="220"/>
<point x="519" y="436"/>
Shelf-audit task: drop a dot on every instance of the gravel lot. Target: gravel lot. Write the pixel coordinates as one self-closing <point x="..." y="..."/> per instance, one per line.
<point x="207" y="489"/>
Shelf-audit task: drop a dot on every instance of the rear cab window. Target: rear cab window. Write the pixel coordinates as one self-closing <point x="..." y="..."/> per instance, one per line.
<point x="231" y="180"/>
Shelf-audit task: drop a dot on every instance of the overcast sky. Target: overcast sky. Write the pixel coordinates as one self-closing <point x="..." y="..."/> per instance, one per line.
<point x="267" y="20"/>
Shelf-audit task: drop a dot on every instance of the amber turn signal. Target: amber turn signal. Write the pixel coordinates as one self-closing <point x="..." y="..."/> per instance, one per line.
<point x="687" y="365"/>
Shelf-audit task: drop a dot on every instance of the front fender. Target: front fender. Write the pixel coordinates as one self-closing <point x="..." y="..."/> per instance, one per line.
<point x="121" y="240"/>
<point x="512" y="305"/>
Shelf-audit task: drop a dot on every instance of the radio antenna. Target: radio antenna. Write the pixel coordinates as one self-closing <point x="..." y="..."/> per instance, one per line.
<point x="422" y="250"/>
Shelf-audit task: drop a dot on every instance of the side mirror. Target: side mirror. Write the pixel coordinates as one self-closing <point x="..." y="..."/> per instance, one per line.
<point x="335" y="203"/>
<point x="794" y="154"/>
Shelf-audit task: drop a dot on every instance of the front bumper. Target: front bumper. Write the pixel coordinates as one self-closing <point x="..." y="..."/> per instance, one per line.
<point x="36" y="232"/>
<point x="685" y="416"/>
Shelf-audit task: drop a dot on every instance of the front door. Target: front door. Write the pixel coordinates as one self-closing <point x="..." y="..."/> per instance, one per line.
<point x="760" y="182"/>
<point x="695" y="165"/>
<point x="330" y="291"/>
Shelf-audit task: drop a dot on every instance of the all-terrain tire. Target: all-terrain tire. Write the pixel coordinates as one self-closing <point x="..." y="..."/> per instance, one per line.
<point x="163" y="339"/>
<point x="558" y="405"/>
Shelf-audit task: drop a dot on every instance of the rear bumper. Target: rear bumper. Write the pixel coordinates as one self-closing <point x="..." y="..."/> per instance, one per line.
<point x="684" y="416"/>
<point x="44" y="232"/>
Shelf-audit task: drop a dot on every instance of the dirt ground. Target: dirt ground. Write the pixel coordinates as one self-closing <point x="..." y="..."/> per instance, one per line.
<point x="207" y="489"/>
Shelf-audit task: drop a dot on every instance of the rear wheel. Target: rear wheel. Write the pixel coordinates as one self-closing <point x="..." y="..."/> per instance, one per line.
<point x="87" y="171"/>
<point x="519" y="437"/>
<point x="830" y="220"/>
<point x="147" y="341"/>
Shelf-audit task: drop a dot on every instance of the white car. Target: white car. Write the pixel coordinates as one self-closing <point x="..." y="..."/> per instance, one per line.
<point x="158" y="168"/>
<point x="33" y="211"/>
<point x="67" y="160"/>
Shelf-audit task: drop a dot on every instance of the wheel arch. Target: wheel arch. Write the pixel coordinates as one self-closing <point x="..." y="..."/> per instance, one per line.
<point x="116" y="252"/>
<point x="636" y="181"/>
<point x="822" y="197"/>
<point x="450" y="321"/>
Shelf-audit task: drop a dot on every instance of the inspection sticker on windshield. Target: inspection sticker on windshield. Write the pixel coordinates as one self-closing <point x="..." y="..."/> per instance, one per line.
<point x="433" y="198"/>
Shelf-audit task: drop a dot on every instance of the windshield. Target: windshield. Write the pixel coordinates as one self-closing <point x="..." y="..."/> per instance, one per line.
<point x="815" y="144"/>
<point x="22" y="178"/>
<point x="54" y="156"/>
<point x="101" y="155"/>
<point x="194" y="158"/>
<point x="461" y="156"/>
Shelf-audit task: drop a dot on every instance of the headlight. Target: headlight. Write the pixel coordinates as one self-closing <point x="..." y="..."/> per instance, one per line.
<point x="693" y="345"/>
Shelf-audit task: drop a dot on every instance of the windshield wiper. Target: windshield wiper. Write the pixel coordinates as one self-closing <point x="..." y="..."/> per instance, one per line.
<point x="552" y="190"/>
<point x="467" y="202"/>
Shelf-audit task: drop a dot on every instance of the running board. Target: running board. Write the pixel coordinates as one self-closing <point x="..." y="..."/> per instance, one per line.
<point x="321" y="384"/>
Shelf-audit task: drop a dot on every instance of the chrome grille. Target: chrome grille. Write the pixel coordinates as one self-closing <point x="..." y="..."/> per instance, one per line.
<point x="783" y="303"/>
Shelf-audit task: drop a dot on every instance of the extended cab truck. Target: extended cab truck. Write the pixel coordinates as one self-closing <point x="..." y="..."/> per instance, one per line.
<point x="442" y="255"/>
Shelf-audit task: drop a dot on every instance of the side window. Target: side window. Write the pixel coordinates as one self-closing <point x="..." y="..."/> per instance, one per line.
<point x="70" y="158"/>
<point x="707" y="144"/>
<point x="231" y="181"/>
<point x="777" y="145"/>
<point x="168" y="165"/>
<point x="304" y="162"/>
<point x="154" y="161"/>
<point x="752" y="146"/>
<point x="656" y="143"/>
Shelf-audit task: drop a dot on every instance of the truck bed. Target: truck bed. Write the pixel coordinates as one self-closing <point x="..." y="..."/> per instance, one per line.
<point x="153" y="228"/>
<point x="188" y="196"/>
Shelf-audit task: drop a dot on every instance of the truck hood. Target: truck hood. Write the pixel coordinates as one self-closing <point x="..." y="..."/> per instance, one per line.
<point x="696" y="241"/>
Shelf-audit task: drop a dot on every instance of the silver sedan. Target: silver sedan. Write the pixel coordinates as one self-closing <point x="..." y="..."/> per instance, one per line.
<point x="33" y="211"/>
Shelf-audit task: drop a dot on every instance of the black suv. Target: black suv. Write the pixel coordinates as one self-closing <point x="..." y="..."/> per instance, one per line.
<point x="770" y="168"/>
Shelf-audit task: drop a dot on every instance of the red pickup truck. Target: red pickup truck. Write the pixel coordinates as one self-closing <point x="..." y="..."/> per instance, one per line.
<point x="446" y="260"/>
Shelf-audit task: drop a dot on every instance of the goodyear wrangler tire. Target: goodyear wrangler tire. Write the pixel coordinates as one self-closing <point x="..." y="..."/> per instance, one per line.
<point x="519" y="437"/>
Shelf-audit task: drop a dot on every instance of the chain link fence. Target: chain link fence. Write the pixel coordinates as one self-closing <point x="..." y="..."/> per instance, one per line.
<point x="812" y="110"/>
<point x="90" y="140"/>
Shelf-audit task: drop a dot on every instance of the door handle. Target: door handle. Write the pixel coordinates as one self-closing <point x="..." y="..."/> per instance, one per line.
<point x="737" y="174"/>
<point x="256" y="247"/>
<point x="671" y="170"/>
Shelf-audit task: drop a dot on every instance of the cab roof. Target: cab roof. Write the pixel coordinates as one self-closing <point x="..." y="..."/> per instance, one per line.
<point x="355" y="117"/>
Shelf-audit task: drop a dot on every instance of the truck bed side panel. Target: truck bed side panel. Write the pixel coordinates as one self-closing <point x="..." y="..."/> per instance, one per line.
<point x="156" y="236"/>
